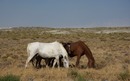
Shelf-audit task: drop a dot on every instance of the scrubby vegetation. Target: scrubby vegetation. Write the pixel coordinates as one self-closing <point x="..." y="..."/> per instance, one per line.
<point x="110" y="48"/>
<point x="9" y="77"/>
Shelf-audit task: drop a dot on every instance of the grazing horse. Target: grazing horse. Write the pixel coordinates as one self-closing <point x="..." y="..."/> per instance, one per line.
<point x="78" y="49"/>
<point x="48" y="61"/>
<point x="38" y="59"/>
<point x="48" y="50"/>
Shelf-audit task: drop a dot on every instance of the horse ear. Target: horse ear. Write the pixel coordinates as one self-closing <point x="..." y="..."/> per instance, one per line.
<point x="68" y="43"/>
<point x="63" y="43"/>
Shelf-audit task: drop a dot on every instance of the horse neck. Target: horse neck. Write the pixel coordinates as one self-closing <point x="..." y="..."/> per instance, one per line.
<point x="88" y="53"/>
<point x="64" y="52"/>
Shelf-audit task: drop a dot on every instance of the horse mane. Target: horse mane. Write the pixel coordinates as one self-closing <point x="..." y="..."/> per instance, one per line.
<point x="89" y="55"/>
<point x="87" y="49"/>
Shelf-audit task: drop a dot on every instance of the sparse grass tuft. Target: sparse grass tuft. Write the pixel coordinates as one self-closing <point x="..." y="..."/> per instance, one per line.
<point x="9" y="77"/>
<point x="125" y="76"/>
<point x="80" y="78"/>
<point x="75" y="75"/>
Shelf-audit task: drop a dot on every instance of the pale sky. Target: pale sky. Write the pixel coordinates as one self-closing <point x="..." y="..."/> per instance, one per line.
<point x="64" y="13"/>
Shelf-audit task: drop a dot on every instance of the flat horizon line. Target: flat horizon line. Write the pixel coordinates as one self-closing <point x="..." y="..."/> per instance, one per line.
<point x="63" y="27"/>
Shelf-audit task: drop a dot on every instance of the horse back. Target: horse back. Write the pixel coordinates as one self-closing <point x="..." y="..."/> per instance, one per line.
<point x="80" y="47"/>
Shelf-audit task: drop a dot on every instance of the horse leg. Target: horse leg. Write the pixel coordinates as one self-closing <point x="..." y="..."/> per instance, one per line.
<point x="91" y="63"/>
<point x="61" y="62"/>
<point x="32" y="62"/>
<point x="38" y="63"/>
<point x="77" y="62"/>
<point x="50" y="62"/>
<point x="54" y="63"/>
<point x="46" y="62"/>
<point x="56" y="60"/>
<point x="28" y="60"/>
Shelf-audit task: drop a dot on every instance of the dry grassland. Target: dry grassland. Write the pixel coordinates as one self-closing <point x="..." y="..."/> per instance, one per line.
<point x="110" y="48"/>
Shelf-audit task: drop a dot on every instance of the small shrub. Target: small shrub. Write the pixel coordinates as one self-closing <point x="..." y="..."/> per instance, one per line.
<point x="73" y="73"/>
<point x="124" y="75"/>
<point x="9" y="77"/>
<point x="127" y="60"/>
<point x="76" y="76"/>
<point x="80" y="78"/>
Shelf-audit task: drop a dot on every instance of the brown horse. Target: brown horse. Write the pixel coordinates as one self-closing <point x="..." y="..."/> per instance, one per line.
<point x="78" y="49"/>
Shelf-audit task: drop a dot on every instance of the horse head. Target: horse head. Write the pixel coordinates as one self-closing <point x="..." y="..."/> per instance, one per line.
<point x="67" y="47"/>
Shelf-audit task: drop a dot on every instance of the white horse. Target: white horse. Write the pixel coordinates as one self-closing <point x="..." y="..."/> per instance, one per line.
<point x="48" y="50"/>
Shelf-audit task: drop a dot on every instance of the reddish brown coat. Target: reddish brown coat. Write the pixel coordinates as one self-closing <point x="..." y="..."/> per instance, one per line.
<point x="78" y="49"/>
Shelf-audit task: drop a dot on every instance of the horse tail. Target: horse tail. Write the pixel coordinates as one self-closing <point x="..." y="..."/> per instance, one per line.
<point x="28" y="51"/>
